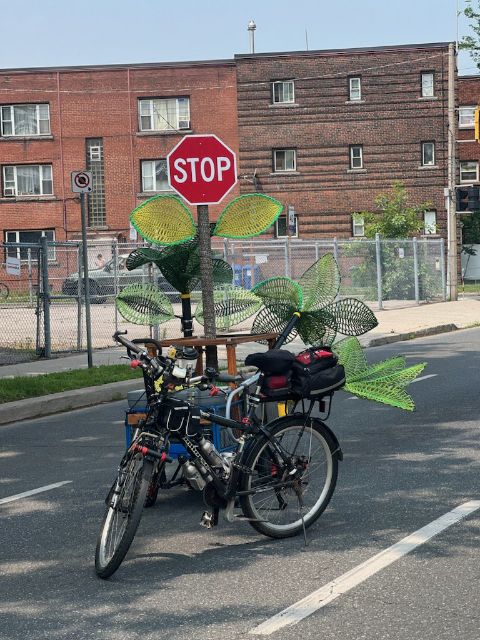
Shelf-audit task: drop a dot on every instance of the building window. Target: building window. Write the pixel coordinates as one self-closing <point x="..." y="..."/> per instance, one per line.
<point x="28" y="237"/>
<point x="283" y="91"/>
<point x="466" y="117"/>
<point x="281" y="230"/>
<point x="427" y="85"/>
<point x="25" y="120"/>
<point x="284" y="160"/>
<point x="27" y="180"/>
<point x="469" y="171"/>
<point x="97" y="214"/>
<point x="164" y="114"/>
<point x="358" y="225"/>
<point x="428" y="154"/>
<point x="155" y="175"/>
<point x="356" y="157"/>
<point x="430" y="222"/>
<point x="354" y="89"/>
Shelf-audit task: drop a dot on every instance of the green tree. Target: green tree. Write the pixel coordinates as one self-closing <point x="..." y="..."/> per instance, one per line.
<point x="471" y="43"/>
<point x="394" y="218"/>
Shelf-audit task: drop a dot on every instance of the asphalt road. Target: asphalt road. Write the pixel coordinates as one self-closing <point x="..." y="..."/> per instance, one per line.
<point x="400" y="472"/>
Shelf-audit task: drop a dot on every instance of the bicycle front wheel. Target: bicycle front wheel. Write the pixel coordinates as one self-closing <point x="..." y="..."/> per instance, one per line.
<point x="122" y="517"/>
<point x="280" y="498"/>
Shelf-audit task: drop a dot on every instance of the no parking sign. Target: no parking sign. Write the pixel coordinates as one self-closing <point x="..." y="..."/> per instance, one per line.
<point x="81" y="181"/>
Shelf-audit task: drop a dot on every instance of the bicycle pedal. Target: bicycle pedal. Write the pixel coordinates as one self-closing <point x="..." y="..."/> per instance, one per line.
<point x="206" y="520"/>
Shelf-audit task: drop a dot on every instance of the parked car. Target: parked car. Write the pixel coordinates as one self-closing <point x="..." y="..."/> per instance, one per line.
<point x="102" y="280"/>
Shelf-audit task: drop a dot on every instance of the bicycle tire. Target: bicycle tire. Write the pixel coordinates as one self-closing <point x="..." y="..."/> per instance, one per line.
<point x="4" y="291"/>
<point x="277" y="512"/>
<point x="134" y="479"/>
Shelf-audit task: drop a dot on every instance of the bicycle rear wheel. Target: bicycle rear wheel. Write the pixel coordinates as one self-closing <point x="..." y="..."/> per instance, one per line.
<point x="280" y="498"/>
<point x="122" y="517"/>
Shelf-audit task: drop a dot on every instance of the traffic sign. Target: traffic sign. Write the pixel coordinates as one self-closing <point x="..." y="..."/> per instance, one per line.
<point x="202" y="169"/>
<point x="81" y="181"/>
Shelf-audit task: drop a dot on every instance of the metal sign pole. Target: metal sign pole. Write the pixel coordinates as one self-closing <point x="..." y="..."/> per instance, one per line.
<point x="86" y="284"/>
<point x="206" y="273"/>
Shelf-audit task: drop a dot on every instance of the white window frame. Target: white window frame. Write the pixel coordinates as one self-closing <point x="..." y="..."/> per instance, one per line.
<point x="281" y="98"/>
<point x="358" y="226"/>
<point x="428" y="87"/>
<point x="432" y="163"/>
<point x="464" y="170"/>
<point x="355" y="93"/>
<point x="15" y="252"/>
<point x="285" y="219"/>
<point x="95" y="152"/>
<point x="285" y="151"/>
<point x="466" y="117"/>
<point x="10" y="185"/>
<point x="430" y="226"/>
<point x="7" y="115"/>
<point x="355" y="158"/>
<point x="147" y="107"/>
<point x="148" y="170"/>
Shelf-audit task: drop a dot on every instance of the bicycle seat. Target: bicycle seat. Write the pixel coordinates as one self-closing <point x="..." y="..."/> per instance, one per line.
<point x="272" y="362"/>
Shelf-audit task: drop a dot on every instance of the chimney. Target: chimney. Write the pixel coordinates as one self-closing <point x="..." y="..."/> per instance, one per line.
<point x="251" y="29"/>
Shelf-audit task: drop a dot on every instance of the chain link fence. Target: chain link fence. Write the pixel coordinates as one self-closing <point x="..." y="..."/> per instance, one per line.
<point x="42" y="307"/>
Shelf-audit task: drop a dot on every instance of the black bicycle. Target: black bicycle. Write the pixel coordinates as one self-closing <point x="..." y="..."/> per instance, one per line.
<point x="281" y="475"/>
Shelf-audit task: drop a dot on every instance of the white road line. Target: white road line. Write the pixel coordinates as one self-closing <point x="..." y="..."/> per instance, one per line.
<point x="431" y="375"/>
<point x="355" y="576"/>
<point x="25" y="494"/>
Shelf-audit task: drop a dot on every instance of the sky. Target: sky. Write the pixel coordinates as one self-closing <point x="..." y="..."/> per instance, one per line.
<point x="50" y="33"/>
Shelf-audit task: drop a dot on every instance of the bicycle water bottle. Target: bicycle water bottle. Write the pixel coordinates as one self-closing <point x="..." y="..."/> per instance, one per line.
<point x="210" y="453"/>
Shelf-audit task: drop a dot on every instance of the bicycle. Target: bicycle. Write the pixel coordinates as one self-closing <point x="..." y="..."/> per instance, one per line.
<point x="282" y="474"/>
<point x="4" y="291"/>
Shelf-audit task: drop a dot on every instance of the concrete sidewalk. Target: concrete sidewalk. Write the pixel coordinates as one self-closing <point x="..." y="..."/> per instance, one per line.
<point x="393" y="325"/>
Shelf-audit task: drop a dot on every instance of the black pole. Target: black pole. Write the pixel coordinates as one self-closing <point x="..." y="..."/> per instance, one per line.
<point x="86" y="282"/>
<point x="187" y="321"/>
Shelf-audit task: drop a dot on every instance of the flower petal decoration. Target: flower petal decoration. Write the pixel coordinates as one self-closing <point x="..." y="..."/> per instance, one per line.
<point x="268" y="322"/>
<point x="280" y="291"/>
<point x="143" y="255"/>
<point x="144" y="304"/>
<point x="163" y="219"/>
<point x="352" y="316"/>
<point x="232" y="305"/>
<point x="248" y="215"/>
<point x="320" y="283"/>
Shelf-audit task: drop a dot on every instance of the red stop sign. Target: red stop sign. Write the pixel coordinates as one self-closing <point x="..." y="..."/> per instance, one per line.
<point x="202" y="169"/>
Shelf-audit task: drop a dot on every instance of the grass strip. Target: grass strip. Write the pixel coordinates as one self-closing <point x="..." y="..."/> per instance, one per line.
<point x="22" y="387"/>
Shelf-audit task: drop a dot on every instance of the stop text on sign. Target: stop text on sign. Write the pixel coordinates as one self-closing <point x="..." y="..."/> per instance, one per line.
<point x="207" y="169"/>
<point x="202" y="169"/>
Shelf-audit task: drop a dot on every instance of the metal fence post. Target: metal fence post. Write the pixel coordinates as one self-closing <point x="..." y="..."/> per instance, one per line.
<point x="115" y="279"/>
<point x="442" y="269"/>
<point x="30" y="276"/>
<point x="378" y="252"/>
<point x="415" y="270"/>
<point x="287" y="264"/>
<point x="79" y="298"/>
<point x="46" y="297"/>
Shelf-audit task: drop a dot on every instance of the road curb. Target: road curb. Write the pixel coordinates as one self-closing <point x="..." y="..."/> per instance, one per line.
<point x="411" y="335"/>
<point x="65" y="401"/>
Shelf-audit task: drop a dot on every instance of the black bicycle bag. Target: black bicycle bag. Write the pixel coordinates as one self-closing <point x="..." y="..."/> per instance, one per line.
<point x="316" y="373"/>
<point x="179" y="417"/>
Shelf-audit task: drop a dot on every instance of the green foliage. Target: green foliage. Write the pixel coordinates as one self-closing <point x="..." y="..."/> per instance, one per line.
<point x="472" y="43"/>
<point x="394" y="217"/>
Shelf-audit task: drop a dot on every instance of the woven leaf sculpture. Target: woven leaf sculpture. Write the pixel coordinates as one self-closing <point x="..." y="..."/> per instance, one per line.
<point x="144" y="304"/>
<point x="383" y="382"/>
<point x="164" y="220"/>
<point x="314" y="297"/>
<point x="232" y="305"/>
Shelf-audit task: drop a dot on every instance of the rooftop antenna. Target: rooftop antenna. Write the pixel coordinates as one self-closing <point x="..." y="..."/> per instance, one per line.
<point x="251" y="29"/>
<point x="306" y="38"/>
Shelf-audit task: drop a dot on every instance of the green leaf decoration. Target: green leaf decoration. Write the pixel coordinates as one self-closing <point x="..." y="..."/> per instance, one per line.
<point x="278" y="292"/>
<point x="352" y="356"/>
<point x="352" y="316"/>
<point x="143" y="255"/>
<point x="247" y="216"/>
<point x="268" y="322"/>
<point x="222" y="272"/>
<point x="320" y="283"/>
<point x="381" y="369"/>
<point x="180" y="264"/>
<point x="232" y="305"/>
<point x="163" y="220"/>
<point x="317" y="327"/>
<point x="144" y="304"/>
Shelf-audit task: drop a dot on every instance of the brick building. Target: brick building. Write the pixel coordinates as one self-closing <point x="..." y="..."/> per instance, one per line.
<point x="327" y="131"/>
<point x="468" y="149"/>
<point x="323" y="131"/>
<point x="118" y="121"/>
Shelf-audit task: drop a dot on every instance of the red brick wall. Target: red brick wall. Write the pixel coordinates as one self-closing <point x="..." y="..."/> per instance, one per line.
<point x="391" y="122"/>
<point x="468" y="96"/>
<point x="102" y="103"/>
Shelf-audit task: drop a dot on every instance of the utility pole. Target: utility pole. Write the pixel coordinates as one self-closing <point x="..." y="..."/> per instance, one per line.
<point x="452" y="268"/>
